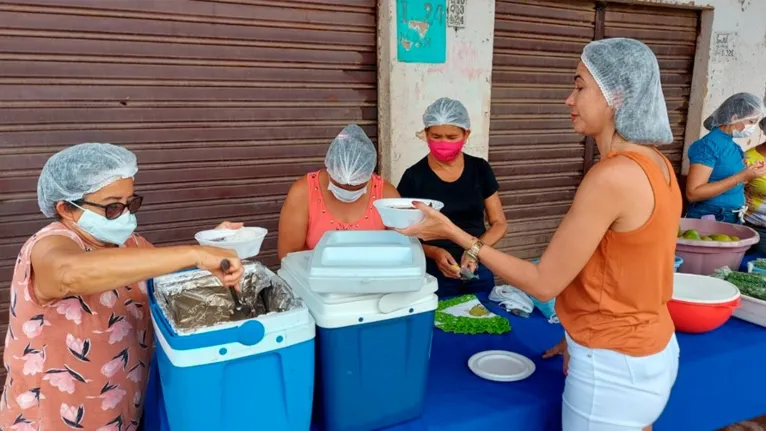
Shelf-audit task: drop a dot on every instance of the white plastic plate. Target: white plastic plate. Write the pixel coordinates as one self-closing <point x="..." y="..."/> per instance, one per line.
<point x="501" y="366"/>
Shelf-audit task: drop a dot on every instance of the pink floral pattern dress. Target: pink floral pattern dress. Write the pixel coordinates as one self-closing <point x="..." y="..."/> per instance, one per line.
<point x="80" y="362"/>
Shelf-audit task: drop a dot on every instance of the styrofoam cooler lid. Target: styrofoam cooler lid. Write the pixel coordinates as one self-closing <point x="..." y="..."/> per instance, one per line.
<point x="339" y="310"/>
<point x="378" y="254"/>
<point x="298" y="265"/>
<point x="700" y="289"/>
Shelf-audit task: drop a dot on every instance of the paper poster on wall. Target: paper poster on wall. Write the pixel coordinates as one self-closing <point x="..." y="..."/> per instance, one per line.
<point x="421" y="29"/>
<point x="456" y="13"/>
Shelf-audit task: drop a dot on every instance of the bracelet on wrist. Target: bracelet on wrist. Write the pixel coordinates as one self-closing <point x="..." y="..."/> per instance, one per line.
<point x="473" y="252"/>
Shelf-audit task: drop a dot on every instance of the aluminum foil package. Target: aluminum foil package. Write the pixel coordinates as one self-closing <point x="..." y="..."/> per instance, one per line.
<point x="201" y="306"/>
<point x="195" y="300"/>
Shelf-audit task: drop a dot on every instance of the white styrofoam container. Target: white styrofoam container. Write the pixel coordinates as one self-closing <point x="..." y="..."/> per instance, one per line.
<point x="363" y="262"/>
<point x="337" y="311"/>
<point x="752" y="310"/>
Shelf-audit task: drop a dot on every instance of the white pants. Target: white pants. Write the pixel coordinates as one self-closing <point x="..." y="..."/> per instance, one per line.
<point x="610" y="391"/>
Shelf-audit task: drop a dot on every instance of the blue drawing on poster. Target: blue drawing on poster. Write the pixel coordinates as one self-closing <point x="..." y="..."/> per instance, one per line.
<point x="421" y="31"/>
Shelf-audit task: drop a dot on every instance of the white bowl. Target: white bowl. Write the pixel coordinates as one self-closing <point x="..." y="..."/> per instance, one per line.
<point x="245" y="241"/>
<point x="395" y="214"/>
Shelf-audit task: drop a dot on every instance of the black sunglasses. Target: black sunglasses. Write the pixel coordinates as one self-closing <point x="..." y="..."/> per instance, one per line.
<point x="114" y="210"/>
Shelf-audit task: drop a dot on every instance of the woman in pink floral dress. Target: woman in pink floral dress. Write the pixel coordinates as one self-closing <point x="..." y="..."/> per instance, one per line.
<point x="79" y="338"/>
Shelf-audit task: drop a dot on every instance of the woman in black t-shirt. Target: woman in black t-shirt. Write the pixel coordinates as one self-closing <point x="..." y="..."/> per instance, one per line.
<point x="467" y="187"/>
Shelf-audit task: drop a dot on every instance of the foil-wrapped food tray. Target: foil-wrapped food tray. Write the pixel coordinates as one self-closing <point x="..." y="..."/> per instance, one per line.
<point x="195" y="300"/>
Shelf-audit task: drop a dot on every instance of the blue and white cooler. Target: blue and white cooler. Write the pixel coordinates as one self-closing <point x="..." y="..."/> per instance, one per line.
<point x="374" y="308"/>
<point x="254" y="374"/>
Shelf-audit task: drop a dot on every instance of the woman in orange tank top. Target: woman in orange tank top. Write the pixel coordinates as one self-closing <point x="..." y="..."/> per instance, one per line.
<point x="339" y="197"/>
<point x="610" y="263"/>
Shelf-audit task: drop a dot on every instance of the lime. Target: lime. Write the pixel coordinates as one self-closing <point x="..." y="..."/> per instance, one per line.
<point x="691" y="234"/>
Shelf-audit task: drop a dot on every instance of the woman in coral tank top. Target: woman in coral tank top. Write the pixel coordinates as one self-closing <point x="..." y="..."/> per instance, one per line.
<point x="610" y="264"/>
<point x="339" y="197"/>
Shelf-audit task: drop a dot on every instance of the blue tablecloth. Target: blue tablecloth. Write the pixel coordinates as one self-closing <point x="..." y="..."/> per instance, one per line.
<point x="720" y="381"/>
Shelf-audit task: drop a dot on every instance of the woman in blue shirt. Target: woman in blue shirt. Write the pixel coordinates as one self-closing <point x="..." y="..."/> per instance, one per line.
<point x="715" y="186"/>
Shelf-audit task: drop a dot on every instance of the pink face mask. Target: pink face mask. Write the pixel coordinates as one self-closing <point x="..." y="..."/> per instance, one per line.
<point x="445" y="151"/>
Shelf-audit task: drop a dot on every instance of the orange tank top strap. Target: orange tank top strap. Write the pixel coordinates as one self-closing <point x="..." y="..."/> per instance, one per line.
<point x="315" y="196"/>
<point x="653" y="172"/>
<point x="377" y="188"/>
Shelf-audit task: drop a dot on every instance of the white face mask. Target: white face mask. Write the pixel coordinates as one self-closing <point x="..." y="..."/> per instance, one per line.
<point x="115" y="231"/>
<point x="347" y="196"/>
<point x="747" y="132"/>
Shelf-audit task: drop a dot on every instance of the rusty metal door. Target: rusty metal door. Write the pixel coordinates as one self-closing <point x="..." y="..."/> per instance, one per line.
<point x="225" y="103"/>
<point x="534" y="152"/>
<point x="672" y="35"/>
<point x="537" y="157"/>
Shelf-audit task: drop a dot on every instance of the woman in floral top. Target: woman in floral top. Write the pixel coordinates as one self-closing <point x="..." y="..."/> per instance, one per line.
<point x="79" y="338"/>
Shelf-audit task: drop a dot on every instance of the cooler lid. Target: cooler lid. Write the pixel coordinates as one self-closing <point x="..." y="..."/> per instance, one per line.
<point x="366" y="254"/>
<point x="298" y="263"/>
<point x="340" y="310"/>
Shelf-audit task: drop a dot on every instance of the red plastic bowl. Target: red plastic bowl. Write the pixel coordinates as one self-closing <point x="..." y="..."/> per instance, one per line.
<point x="701" y="304"/>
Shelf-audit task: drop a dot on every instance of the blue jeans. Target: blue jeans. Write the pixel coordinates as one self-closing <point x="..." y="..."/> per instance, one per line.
<point x="726" y="215"/>
<point x="452" y="287"/>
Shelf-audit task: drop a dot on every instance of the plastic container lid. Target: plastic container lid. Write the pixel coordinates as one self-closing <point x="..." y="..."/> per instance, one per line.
<point x="700" y="289"/>
<point x="340" y="310"/>
<point x="366" y="262"/>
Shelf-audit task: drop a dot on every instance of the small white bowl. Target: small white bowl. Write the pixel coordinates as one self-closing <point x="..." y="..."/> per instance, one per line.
<point x="400" y="214"/>
<point x="245" y="241"/>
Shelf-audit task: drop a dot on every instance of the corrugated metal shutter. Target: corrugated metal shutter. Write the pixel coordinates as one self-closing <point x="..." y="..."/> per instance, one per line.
<point x="672" y="35"/>
<point x="534" y="152"/>
<point x="224" y="102"/>
<point x="537" y="157"/>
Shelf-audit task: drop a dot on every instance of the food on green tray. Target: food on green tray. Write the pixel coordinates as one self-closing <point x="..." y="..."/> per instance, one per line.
<point x="760" y="263"/>
<point x="752" y="285"/>
<point x="478" y="311"/>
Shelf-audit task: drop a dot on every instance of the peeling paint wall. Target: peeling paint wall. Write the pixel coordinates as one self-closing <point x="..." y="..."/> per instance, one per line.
<point x="406" y="89"/>
<point x="731" y="58"/>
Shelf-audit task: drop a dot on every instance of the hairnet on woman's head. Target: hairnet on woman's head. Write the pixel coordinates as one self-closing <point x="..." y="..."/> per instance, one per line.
<point x="739" y="107"/>
<point x="79" y="170"/>
<point x="627" y="72"/>
<point x="447" y="112"/>
<point x="351" y="158"/>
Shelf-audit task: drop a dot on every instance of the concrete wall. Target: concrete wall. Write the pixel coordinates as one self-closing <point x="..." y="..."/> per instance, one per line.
<point x="406" y="89"/>
<point x="731" y="57"/>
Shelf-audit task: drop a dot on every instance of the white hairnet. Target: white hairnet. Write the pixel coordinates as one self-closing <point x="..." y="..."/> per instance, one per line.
<point x="79" y="170"/>
<point x="351" y="158"/>
<point x="739" y="107"/>
<point x="627" y="72"/>
<point x="447" y="112"/>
